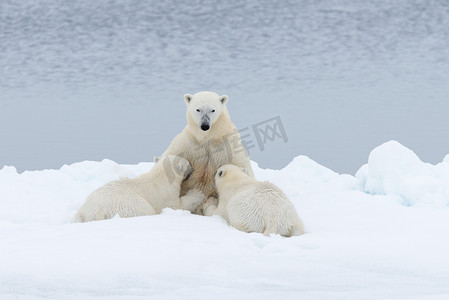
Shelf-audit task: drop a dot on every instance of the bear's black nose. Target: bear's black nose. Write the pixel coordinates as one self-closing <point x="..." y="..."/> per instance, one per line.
<point x="205" y="127"/>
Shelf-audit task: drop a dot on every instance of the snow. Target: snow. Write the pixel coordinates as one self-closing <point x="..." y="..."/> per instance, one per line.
<point x="393" y="169"/>
<point x="379" y="235"/>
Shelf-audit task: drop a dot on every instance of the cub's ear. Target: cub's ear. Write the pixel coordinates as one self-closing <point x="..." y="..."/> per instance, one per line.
<point x="187" y="98"/>
<point x="245" y="170"/>
<point x="157" y="158"/>
<point x="223" y="99"/>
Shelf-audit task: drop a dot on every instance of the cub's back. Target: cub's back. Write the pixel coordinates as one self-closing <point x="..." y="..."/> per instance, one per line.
<point x="263" y="207"/>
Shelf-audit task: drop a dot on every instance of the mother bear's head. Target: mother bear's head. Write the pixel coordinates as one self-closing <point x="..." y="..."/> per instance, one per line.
<point x="205" y="108"/>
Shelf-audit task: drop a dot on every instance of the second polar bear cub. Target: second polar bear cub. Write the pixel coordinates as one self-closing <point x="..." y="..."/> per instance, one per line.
<point x="145" y="195"/>
<point x="252" y="206"/>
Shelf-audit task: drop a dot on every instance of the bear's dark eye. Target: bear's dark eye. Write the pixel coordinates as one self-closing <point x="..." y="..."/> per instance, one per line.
<point x="197" y="109"/>
<point x="213" y="110"/>
<point x="220" y="173"/>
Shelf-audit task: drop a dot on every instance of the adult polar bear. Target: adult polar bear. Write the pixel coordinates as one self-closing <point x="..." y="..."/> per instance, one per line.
<point x="208" y="141"/>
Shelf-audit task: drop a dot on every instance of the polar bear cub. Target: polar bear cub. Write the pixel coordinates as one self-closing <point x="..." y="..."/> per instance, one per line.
<point x="252" y="206"/>
<point x="145" y="195"/>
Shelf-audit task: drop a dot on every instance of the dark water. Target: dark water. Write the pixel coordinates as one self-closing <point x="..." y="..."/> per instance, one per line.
<point x="87" y="80"/>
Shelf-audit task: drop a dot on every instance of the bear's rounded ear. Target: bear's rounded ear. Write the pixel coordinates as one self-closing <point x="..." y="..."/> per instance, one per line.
<point x="245" y="170"/>
<point x="223" y="99"/>
<point x="157" y="158"/>
<point x="187" y="98"/>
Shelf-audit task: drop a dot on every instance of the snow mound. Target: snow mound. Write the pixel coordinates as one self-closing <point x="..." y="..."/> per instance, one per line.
<point x="395" y="170"/>
<point x="304" y="176"/>
<point x="53" y="196"/>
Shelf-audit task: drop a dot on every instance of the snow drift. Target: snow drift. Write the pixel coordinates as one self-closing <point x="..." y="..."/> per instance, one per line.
<point x="393" y="169"/>
<point x="380" y="234"/>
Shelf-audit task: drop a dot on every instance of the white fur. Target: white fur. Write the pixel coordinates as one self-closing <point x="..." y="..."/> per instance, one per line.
<point x="208" y="149"/>
<point x="252" y="206"/>
<point x="145" y="195"/>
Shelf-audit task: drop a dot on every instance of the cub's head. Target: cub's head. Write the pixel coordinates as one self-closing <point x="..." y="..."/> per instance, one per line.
<point x="229" y="173"/>
<point x="204" y="108"/>
<point x="175" y="168"/>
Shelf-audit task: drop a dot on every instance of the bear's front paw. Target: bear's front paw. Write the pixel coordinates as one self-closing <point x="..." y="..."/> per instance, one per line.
<point x="210" y="204"/>
<point x="211" y="201"/>
<point x="192" y="200"/>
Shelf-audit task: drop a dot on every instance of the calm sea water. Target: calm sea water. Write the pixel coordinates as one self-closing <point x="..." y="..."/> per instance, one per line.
<point x="88" y="80"/>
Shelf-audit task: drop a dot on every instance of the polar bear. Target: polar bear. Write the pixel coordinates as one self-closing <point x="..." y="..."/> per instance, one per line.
<point x="208" y="141"/>
<point x="252" y="206"/>
<point x="145" y="195"/>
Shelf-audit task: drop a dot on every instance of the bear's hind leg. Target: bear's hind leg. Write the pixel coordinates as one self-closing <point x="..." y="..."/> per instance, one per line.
<point x="134" y="206"/>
